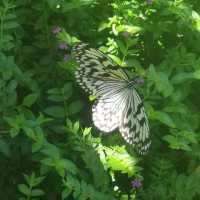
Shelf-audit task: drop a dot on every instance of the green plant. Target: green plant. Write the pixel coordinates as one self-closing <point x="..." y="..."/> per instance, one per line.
<point x="45" y="128"/>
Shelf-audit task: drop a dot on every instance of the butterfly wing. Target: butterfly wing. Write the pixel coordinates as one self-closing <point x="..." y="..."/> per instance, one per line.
<point x="117" y="105"/>
<point x="134" y="125"/>
<point x="95" y="69"/>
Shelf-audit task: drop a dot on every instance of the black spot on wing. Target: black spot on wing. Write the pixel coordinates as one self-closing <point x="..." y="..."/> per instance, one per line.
<point x="138" y="109"/>
<point x="142" y="121"/>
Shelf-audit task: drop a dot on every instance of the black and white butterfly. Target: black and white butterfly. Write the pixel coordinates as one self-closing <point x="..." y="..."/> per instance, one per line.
<point x="118" y="104"/>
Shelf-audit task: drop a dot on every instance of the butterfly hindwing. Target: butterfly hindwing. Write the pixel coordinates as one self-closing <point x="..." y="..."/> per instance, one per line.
<point x="105" y="115"/>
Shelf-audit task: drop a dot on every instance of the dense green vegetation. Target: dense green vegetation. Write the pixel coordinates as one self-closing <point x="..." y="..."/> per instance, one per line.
<point x="49" y="148"/>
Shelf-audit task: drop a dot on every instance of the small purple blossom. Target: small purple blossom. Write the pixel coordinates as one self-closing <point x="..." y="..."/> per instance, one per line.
<point x="63" y="46"/>
<point x="149" y="2"/>
<point x="136" y="183"/>
<point x="56" y="29"/>
<point x="66" y="57"/>
<point x="139" y="80"/>
<point x="125" y="34"/>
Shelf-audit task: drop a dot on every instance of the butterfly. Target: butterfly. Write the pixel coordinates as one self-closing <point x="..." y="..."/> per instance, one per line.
<point x="118" y="104"/>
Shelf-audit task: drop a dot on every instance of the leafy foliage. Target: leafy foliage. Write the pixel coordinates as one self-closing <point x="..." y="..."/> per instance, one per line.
<point x="49" y="148"/>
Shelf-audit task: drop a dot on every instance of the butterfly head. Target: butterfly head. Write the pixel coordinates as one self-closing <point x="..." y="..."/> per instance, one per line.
<point x="135" y="81"/>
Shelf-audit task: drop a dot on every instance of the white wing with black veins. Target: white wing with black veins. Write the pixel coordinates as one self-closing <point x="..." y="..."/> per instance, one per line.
<point x="117" y="105"/>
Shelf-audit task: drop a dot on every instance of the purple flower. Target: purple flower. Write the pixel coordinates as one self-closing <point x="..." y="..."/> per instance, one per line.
<point x="66" y="57"/>
<point x="56" y="29"/>
<point x="149" y="2"/>
<point x="136" y="183"/>
<point x="125" y="34"/>
<point x="138" y="80"/>
<point x="63" y="46"/>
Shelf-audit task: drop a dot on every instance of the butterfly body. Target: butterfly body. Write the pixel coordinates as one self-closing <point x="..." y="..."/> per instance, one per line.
<point x="118" y="103"/>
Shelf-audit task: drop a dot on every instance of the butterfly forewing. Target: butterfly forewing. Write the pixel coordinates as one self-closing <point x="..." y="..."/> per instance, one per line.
<point x="118" y="105"/>
<point x="91" y="71"/>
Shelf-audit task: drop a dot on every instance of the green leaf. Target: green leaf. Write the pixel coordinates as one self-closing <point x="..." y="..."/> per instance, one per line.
<point x="161" y="81"/>
<point x="163" y="85"/>
<point x="12" y="85"/>
<point x="29" y="132"/>
<point x="5" y="148"/>
<point x="116" y="59"/>
<point x="30" y="99"/>
<point x="185" y="146"/>
<point x="133" y="29"/>
<point x="14" y="132"/>
<point x="51" y="151"/>
<point x="87" y="131"/>
<point x="122" y="47"/>
<point x="11" y="25"/>
<point x="118" y="159"/>
<point x="76" y="127"/>
<point x="197" y="74"/>
<point x="173" y="141"/>
<point x="39" y="140"/>
<point x="152" y="74"/>
<point x="37" y="193"/>
<point x="170" y="138"/>
<point x="54" y="91"/>
<point x="67" y="90"/>
<point x="37" y="180"/>
<point x="182" y="77"/>
<point x="65" y="193"/>
<point x="36" y="146"/>
<point x="164" y="118"/>
<point x="75" y="107"/>
<point x="24" y="189"/>
<point x="47" y="161"/>
<point x="55" y="111"/>
<point x="56" y="97"/>
<point x="69" y="166"/>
